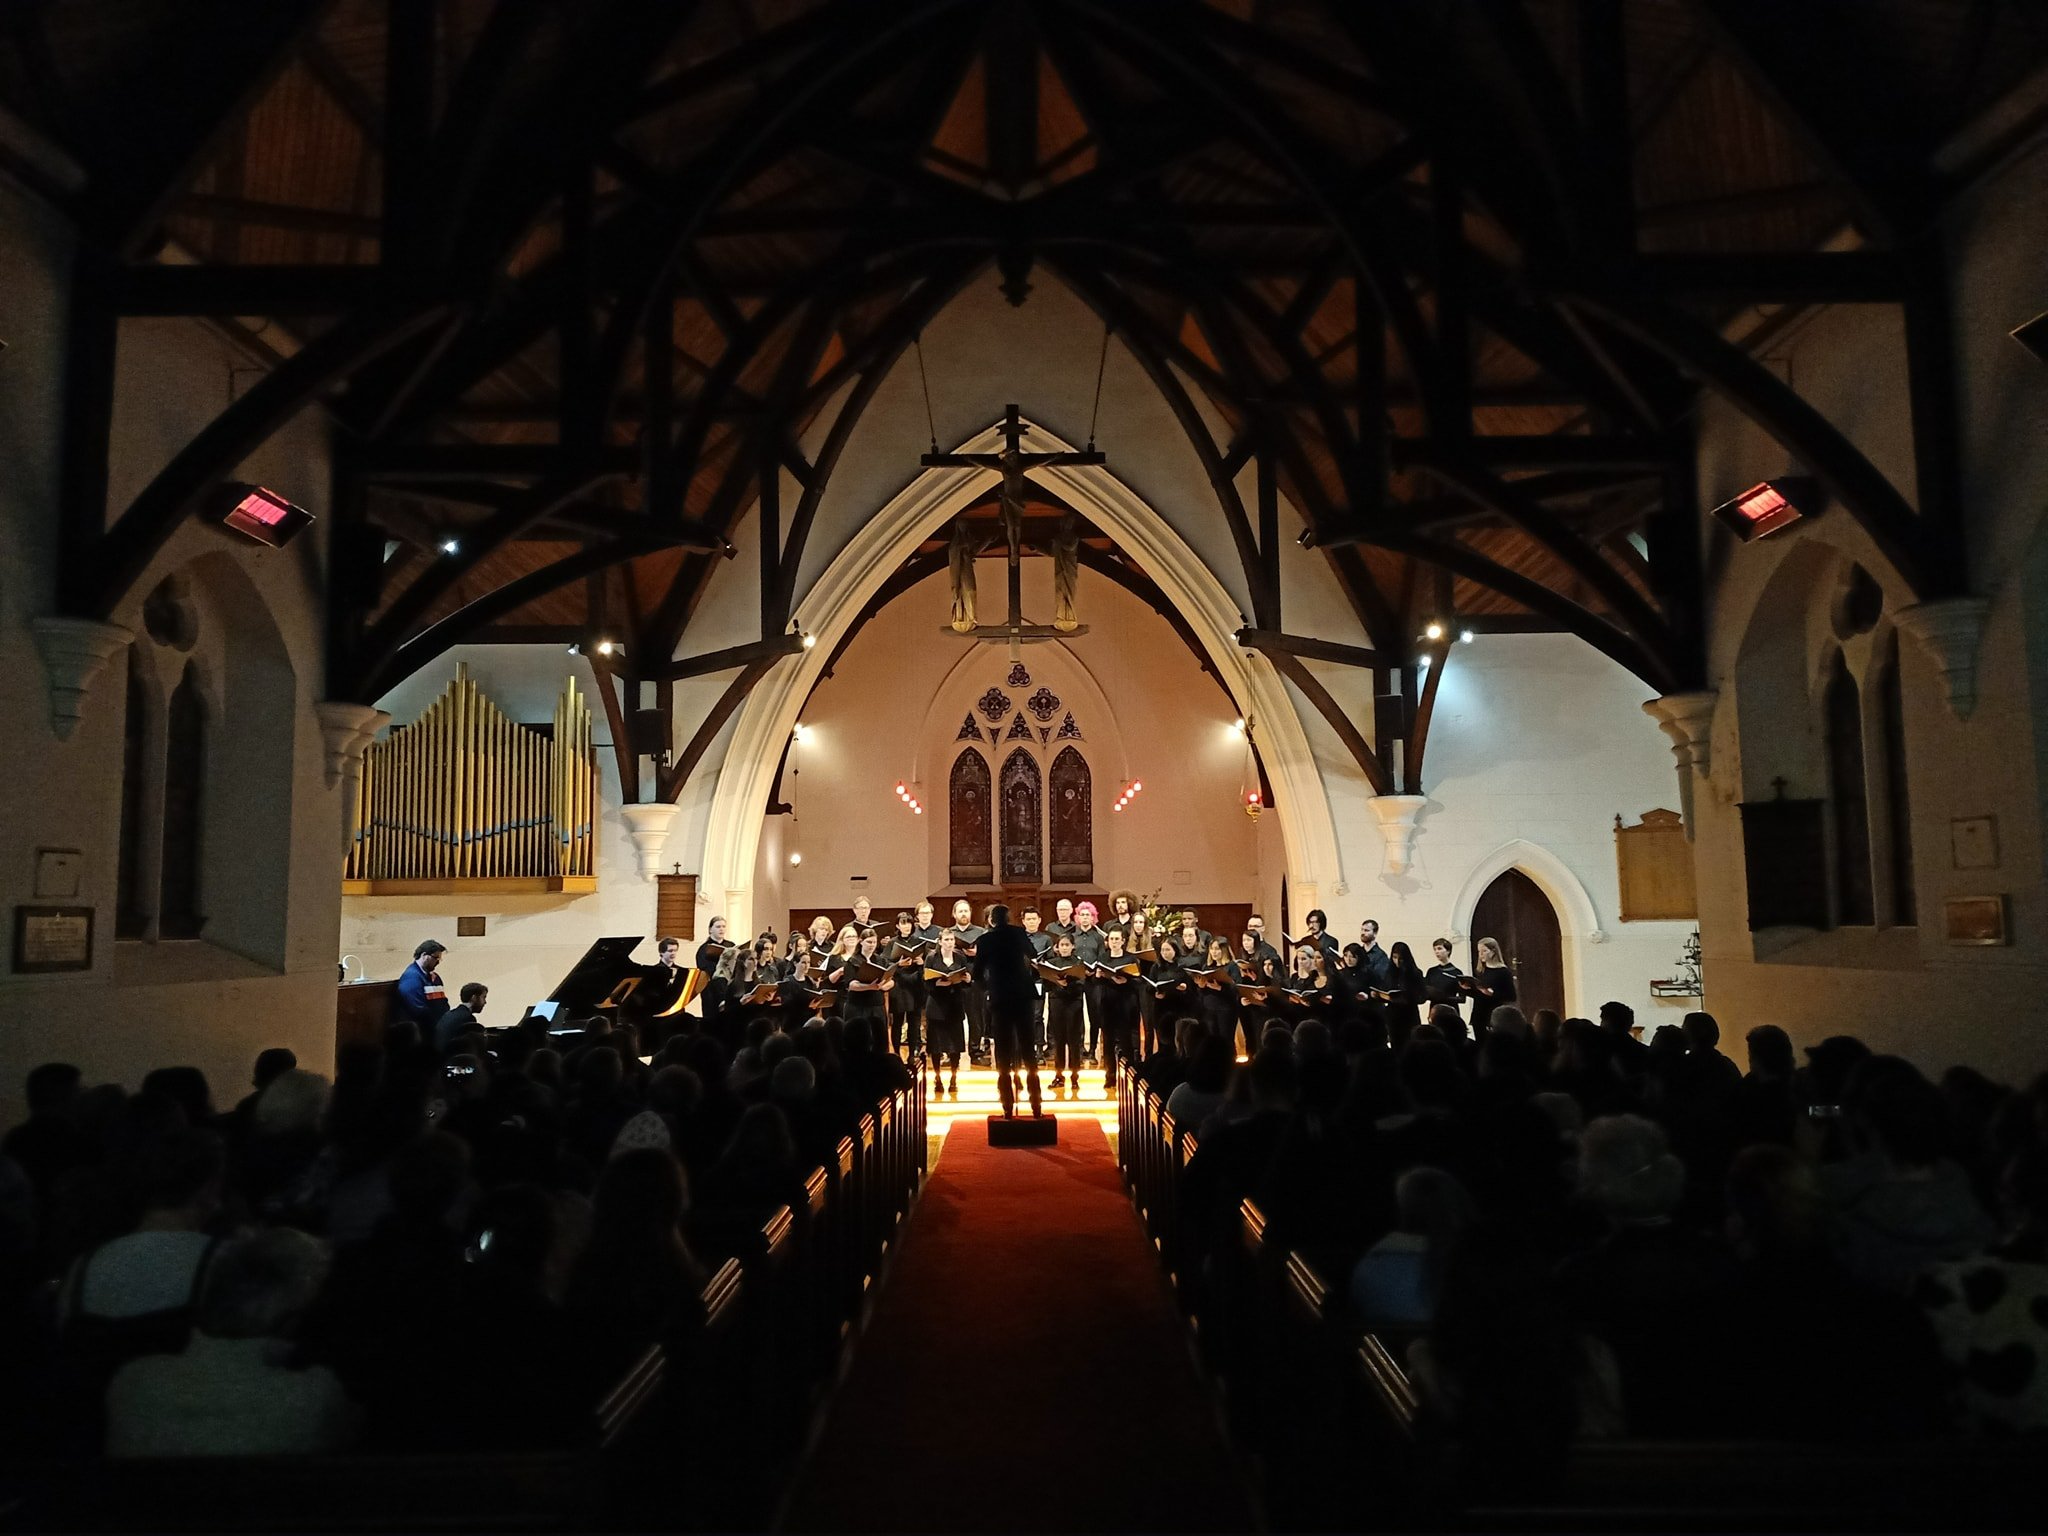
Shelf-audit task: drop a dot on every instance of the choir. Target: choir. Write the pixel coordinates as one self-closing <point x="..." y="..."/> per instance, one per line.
<point x="1108" y="991"/>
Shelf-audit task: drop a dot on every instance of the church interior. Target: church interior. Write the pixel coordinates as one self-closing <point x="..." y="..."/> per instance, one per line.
<point x="567" y="567"/>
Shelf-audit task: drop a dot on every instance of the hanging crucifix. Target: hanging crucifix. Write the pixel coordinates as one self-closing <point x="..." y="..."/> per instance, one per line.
<point x="1013" y="464"/>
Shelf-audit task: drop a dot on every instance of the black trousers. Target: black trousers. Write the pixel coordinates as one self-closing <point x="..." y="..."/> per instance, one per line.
<point x="1010" y="1025"/>
<point x="906" y="1016"/>
<point x="1063" y="1024"/>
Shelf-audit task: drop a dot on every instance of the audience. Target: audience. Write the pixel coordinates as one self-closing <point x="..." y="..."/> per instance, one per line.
<point x="420" y="1255"/>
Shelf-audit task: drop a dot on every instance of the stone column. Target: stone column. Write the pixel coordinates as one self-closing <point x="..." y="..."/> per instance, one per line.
<point x="1688" y="719"/>
<point x="73" y="652"/>
<point x="1948" y="630"/>
<point x="649" y="827"/>
<point x="347" y="729"/>
<point x="1400" y="819"/>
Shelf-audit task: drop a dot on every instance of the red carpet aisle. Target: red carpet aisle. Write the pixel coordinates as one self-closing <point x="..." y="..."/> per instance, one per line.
<point x="1024" y="1370"/>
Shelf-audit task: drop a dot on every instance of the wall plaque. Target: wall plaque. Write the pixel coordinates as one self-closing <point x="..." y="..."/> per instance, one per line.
<point x="52" y="939"/>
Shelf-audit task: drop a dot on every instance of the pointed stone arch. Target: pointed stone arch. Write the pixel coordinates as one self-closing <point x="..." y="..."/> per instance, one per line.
<point x="879" y="547"/>
<point x="1578" y="919"/>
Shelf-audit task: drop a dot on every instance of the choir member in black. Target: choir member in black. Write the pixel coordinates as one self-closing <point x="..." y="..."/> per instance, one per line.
<point x="864" y="914"/>
<point x="714" y="949"/>
<point x="1216" y="994"/>
<point x="837" y="967"/>
<point x="1115" y="997"/>
<point x="1440" y="981"/>
<point x="1351" y="999"/>
<point x="1040" y="944"/>
<point x="947" y="976"/>
<point x="1255" y="925"/>
<point x="967" y="935"/>
<point x="752" y="968"/>
<point x="1088" y="946"/>
<point x="1408" y="991"/>
<point x="1256" y="970"/>
<point x="1308" y="994"/>
<point x="906" y="999"/>
<point x="1167" y="981"/>
<point x="1192" y="941"/>
<point x="1319" y="939"/>
<point x="860" y="997"/>
<point x="1378" y="964"/>
<point x="1002" y="965"/>
<point x="1063" y="1016"/>
<point x="1490" y="985"/>
<point x="927" y="931"/>
<point x="1062" y="918"/>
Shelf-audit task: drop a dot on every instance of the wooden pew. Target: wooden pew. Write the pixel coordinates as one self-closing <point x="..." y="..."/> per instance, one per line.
<point x="1726" y="1485"/>
<point x="567" y="1489"/>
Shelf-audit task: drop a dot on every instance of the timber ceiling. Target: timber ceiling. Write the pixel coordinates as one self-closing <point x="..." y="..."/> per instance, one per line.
<point x="577" y="276"/>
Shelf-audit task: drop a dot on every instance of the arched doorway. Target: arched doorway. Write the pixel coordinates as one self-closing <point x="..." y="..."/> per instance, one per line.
<point x="1514" y="910"/>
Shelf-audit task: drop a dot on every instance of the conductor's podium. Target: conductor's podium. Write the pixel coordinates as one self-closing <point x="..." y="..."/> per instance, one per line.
<point x="1023" y="1130"/>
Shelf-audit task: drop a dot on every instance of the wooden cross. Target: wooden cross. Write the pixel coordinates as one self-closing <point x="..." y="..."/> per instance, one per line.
<point x="1013" y="463"/>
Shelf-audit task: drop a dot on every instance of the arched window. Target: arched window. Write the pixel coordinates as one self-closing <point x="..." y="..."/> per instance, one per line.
<point x="970" y="820"/>
<point x="131" y="901"/>
<point x="1073" y="820"/>
<point x="1023" y="820"/>
<point x="1848" y="797"/>
<point x="178" y="910"/>
<point x="1902" y="897"/>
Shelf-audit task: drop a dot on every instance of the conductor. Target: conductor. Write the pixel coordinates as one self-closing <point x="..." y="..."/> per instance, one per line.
<point x="1002" y="965"/>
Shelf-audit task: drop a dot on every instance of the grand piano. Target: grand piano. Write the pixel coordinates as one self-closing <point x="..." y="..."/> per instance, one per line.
<point x="599" y="983"/>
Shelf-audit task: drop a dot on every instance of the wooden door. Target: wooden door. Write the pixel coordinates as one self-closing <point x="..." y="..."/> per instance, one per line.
<point x="1517" y="913"/>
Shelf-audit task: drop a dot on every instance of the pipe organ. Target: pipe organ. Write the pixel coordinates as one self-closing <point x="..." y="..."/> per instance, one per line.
<point x="466" y="796"/>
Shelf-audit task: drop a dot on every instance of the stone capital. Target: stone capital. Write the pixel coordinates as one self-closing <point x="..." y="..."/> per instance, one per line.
<point x="1400" y="819"/>
<point x="346" y="730"/>
<point x="1949" y="630"/>
<point x="74" y="651"/>
<point x="1688" y="719"/>
<point x="648" y="825"/>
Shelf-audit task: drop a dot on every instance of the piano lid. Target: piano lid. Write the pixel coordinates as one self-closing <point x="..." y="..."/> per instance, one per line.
<point x="596" y="976"/>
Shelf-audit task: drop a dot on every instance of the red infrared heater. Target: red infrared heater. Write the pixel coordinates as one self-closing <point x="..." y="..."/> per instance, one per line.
<point x="1765" y="507"/>
<point x="263" y="515"/>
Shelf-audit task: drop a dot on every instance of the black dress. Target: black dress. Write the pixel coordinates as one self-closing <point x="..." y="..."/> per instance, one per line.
<point x="1500" y="982"/>
<point x="945" y="1010"/>
<point x="1216" y="1006"/>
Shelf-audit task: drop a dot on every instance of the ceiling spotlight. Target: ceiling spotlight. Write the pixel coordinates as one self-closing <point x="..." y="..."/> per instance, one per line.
<point x="1767" y="506"/>
<point x="810" y="642"/>
<point x="605" y="647"/>
<point x="1434" y="631"/>
<point x="916" y="810"/>
<point x="1136" y="785"/>
<point x="795" y="857"/>
<point x="1422" y="662"/>
<point x="802" y="734"/>
<point x="451" y="546"/>
<point x="1464" y="637"/>
<point x="262" y="515"/>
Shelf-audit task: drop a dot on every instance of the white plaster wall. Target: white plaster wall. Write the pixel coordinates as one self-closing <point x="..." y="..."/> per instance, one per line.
<point x="1907" y="990"/>
<point x="529" y="942"/>
<point x="143" y="1006"/>
<point x="892" y="708"/>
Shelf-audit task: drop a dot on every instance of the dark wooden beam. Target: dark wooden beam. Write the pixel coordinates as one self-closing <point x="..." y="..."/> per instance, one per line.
<point x="1296" y="672"/>
<point x="203" y="463"/>
<point x="1422" y="710"/>
<point x="91" y="344"/>
<point x="474" y="461"/>
<point x="190" y="91"/>
<point x="1272" y="642"/>
<point x="726" y="659"/>
<point x="736" y="691"/>
<point x="1558" y="451"/>
<point x="1822" y="277"/>
<point x="250" y="213"/>
<point x="408" y="126"/>
<point x="258" y="290"/>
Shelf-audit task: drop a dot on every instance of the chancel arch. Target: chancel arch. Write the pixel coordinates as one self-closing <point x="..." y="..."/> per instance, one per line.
<point x="878" y="547"/>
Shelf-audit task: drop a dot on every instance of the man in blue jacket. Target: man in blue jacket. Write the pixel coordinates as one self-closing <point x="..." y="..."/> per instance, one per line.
<point x="421" y="997"/>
